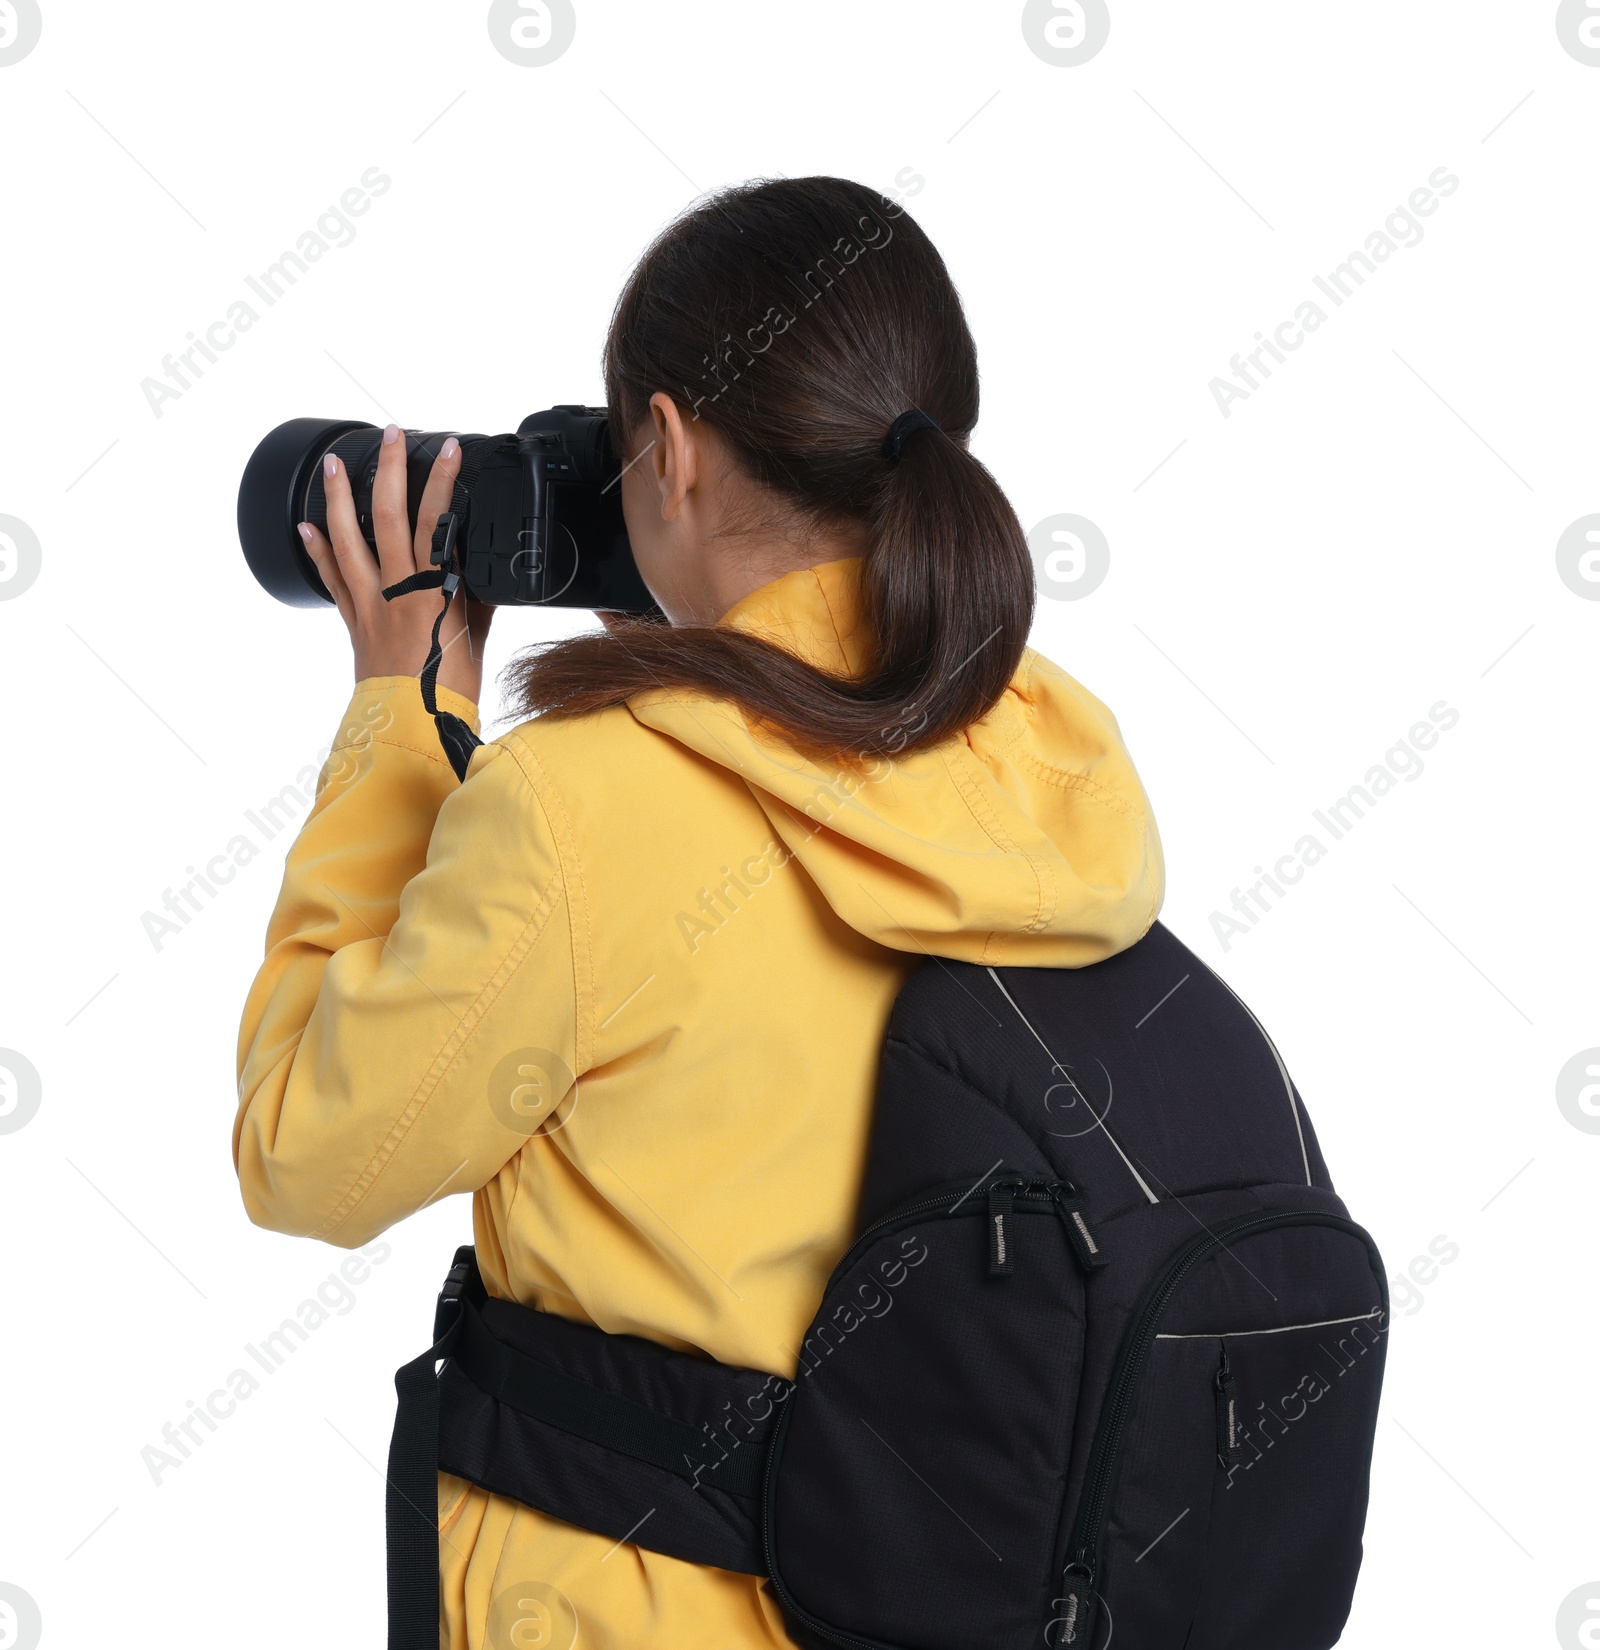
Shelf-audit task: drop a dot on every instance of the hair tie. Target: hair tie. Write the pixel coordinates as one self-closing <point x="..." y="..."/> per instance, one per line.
<point x="908" y="423"/>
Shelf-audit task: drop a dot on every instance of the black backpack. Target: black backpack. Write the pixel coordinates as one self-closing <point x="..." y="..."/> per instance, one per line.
<point x="1105" y="1359"/>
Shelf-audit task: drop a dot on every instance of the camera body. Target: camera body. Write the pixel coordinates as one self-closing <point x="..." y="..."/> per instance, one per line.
<point x="539" y="512"/>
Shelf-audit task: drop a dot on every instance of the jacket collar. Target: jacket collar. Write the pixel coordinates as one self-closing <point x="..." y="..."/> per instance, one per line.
<point x="814" y="613"/>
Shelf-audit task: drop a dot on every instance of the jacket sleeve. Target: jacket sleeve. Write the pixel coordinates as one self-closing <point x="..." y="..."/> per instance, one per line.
<point x="387" y="1056"/>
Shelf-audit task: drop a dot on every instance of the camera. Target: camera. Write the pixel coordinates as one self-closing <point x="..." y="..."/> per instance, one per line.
<point x="538" y="513"/>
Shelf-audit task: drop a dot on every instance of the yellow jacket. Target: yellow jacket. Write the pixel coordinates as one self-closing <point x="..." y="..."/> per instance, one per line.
<point x="707" y="930"/>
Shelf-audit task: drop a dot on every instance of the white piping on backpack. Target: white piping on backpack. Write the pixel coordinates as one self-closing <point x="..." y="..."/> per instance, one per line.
<point x="1283" y="1072"/>
<point x="1056" y="1065"/>
<point x="1283" y="1329"/>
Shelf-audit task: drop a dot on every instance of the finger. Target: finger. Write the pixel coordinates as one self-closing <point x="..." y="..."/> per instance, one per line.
<point x="327" y="566"/>
<point x="390" y="523"/>
<point x="349" y="547"/>
<point x="436" y="498"/>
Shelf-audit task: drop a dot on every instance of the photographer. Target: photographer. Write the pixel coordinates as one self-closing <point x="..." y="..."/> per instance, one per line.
<point x="628" y="983"/>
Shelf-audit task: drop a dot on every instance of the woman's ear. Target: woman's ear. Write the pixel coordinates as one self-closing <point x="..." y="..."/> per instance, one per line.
<point x="675" y="455"/>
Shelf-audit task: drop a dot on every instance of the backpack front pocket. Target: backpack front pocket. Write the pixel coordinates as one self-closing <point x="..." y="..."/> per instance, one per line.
<point x="915" y="1479"/>
<point x="1226" y="1489"/>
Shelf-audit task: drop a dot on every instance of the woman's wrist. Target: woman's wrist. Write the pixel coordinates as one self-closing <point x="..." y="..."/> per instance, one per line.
<point x="406" y="691"/>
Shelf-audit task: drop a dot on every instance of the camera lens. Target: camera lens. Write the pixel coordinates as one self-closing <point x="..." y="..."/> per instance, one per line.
<point x="283" y="485"/>
<point x="358" y="451"/>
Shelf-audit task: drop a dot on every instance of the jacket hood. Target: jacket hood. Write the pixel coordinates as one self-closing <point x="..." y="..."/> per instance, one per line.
<point x="1026" y="840"/>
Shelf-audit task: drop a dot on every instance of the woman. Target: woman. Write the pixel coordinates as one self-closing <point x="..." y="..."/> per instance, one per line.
<point x="628" y="982"/>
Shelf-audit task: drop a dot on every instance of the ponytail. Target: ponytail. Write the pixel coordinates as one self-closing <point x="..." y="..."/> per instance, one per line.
<point x="819" y="413"/>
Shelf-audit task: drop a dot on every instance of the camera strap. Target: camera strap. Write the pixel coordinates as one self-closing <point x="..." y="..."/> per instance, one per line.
<point x="458" y="740"/>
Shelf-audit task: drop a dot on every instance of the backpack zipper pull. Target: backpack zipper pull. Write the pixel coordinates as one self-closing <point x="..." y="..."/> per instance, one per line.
<point x="1076" y="1603"/>
<point x="1230" y="1449"/>
<point x="1002" y="1228"/>
<point x="1069" y="1205"/>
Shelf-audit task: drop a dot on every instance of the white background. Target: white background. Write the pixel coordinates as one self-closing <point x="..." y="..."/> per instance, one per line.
<point x="1295" y="585"/>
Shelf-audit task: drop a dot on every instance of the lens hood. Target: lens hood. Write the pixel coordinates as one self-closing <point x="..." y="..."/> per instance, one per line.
<point x="272" y="496"/>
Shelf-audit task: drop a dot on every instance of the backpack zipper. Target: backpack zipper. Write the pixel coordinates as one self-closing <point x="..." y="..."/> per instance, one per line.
<point x="1078" y="1578"/>
<point x="1002" y="1205"/>
<point x="1036" y="1193"/>
<point x="1229" y="1430"/>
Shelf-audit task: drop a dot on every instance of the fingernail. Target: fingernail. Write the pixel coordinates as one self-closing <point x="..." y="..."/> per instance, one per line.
<point x="391" y="433"/>
<point x="448" y="450"/>
<point x="305" y="531"/>
<point x="330" y="465"/>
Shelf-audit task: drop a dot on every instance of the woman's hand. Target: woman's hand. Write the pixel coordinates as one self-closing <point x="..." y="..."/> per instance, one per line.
<point x="391" y="638"/>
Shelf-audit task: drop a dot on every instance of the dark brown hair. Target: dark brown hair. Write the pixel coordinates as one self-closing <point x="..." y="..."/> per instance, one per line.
<point x="799" y="318"/>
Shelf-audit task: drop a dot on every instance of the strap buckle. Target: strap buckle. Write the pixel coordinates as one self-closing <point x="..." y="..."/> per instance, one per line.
<point x="442" y="552"/>
<point x="457" y="1286"/>
<point x="444" y="539"/>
